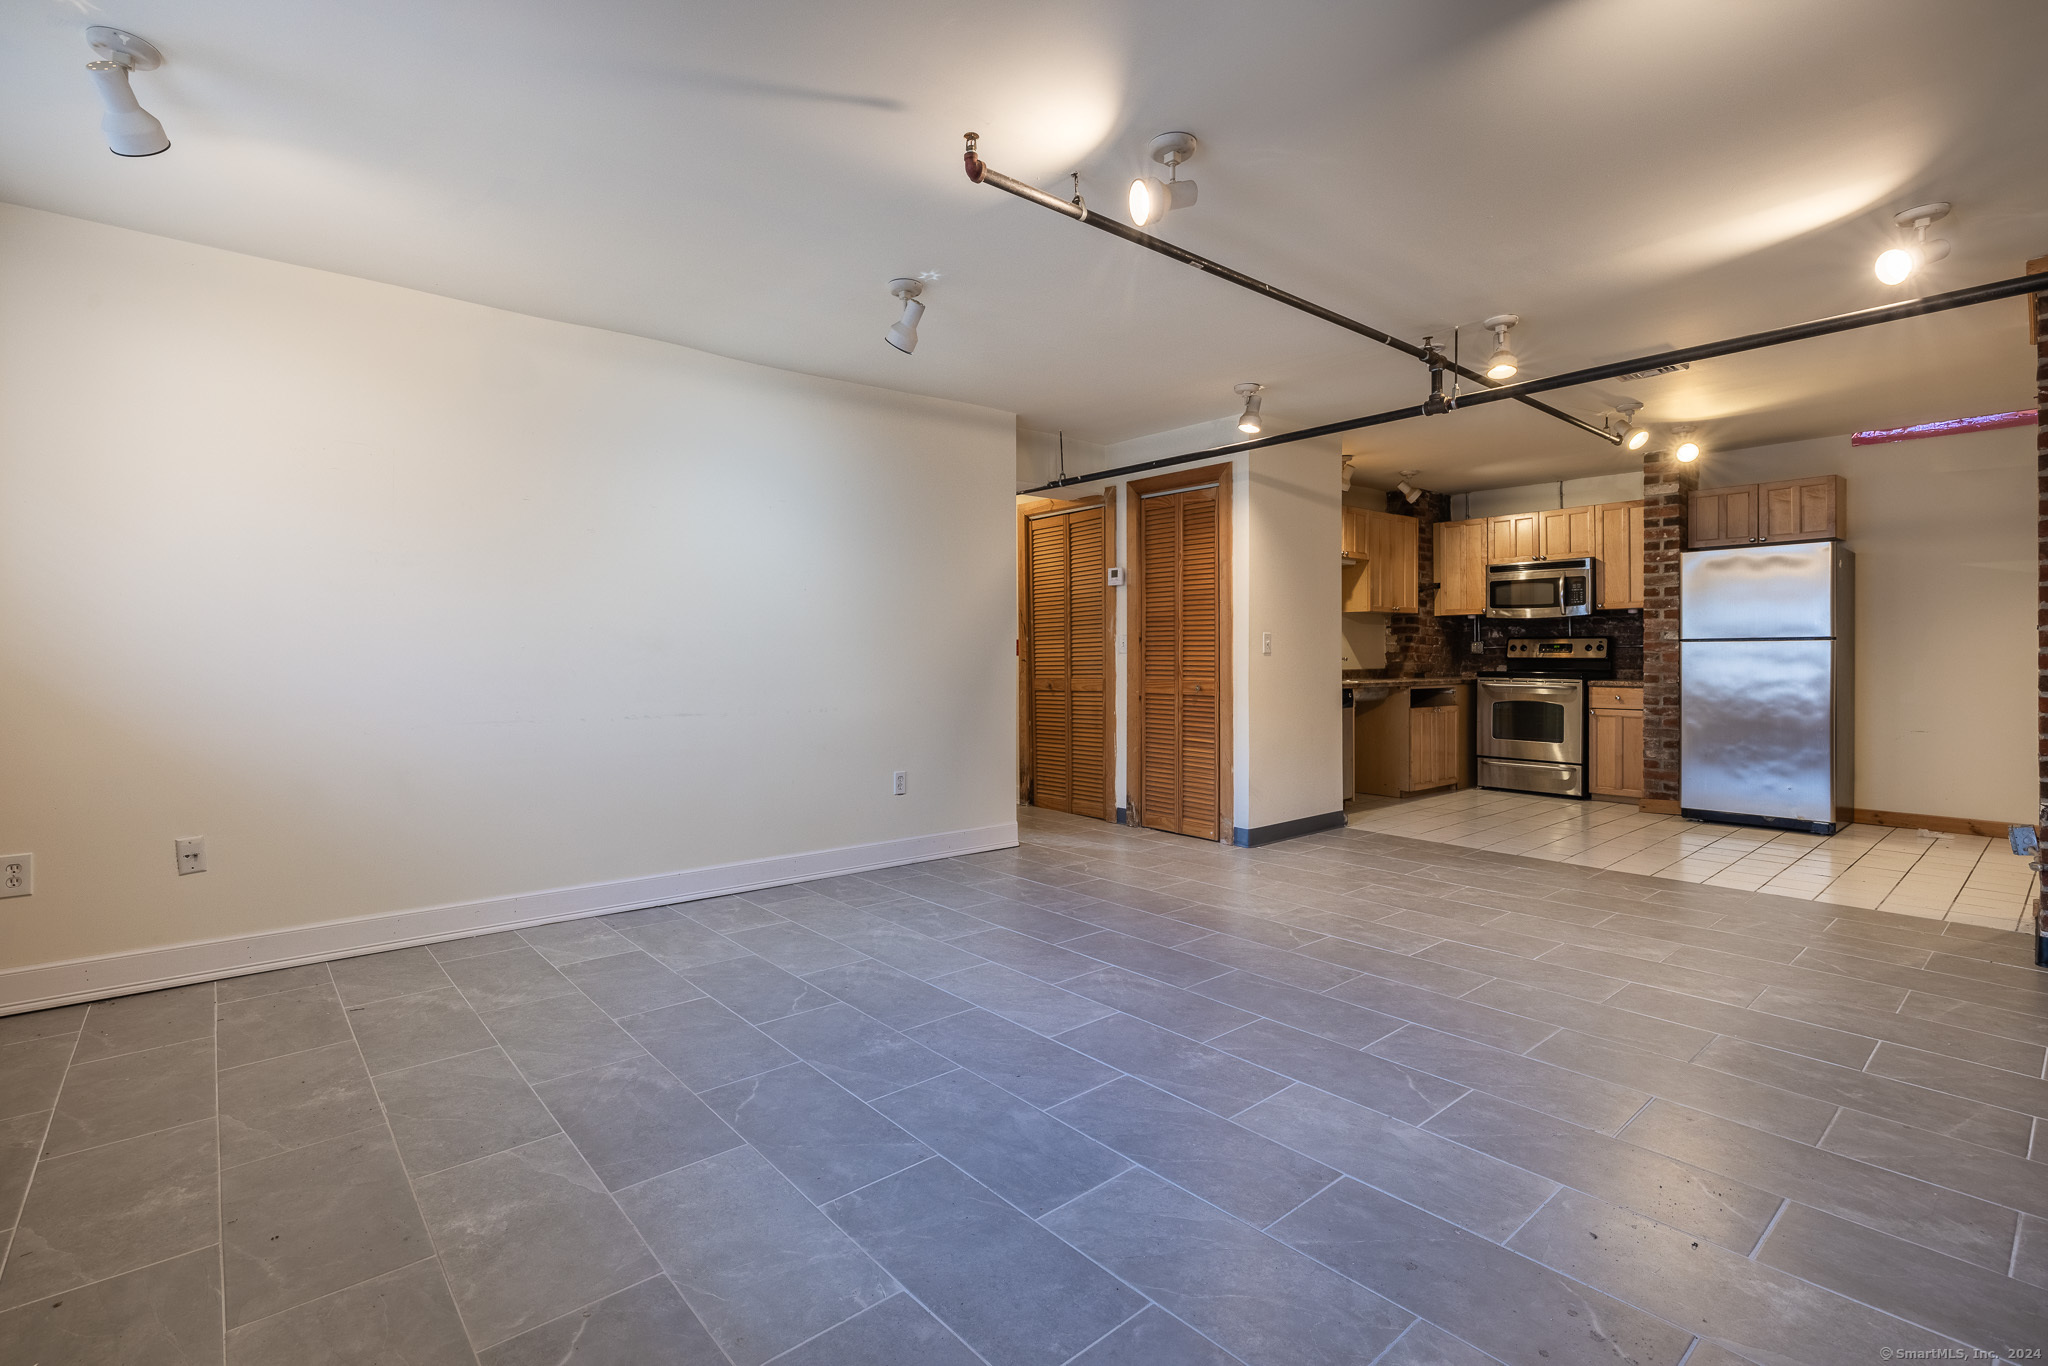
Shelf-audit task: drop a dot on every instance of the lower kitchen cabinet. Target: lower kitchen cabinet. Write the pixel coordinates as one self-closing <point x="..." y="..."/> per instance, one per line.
<point x="1415" y="739"/>
<point x="1614" y="743"/>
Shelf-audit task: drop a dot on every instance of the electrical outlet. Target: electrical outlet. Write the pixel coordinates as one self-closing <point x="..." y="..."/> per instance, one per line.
<point x="17" y="874"/>
<point x="901" y="784"/>
<point x="192" y="855"/>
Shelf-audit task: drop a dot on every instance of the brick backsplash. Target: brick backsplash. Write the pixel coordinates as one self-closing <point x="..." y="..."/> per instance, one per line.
<point x="1624" y="632"/>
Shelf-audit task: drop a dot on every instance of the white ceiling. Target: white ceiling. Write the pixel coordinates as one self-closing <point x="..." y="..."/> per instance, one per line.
<point x="1626" y="175"/>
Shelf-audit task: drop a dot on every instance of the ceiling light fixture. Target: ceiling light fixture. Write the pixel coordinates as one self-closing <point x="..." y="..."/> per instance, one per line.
<point x="903" y="336"/>
<point x="1152" y="200"/>
<point x="1249" y="422"/>
<point x="1898" y="264"/>
<point x="1502" y="364"/>
<point x="131" y="130"/>
<point x="1407" y="490"/>
<point x="1633" y="437"/>
<point x="1688" y="449"/>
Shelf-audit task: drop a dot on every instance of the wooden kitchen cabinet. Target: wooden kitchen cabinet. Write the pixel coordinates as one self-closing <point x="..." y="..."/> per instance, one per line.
<point x="1567" y="533"/>
<point x="1415" y="739"/>
<point x="1784" y="510"/>
<point x="1620" y="528"/>
<point x="1724" y="516"/>
<point x="1801" y="509"/>
<point x="1354" y="533"/>
<point x="1459" y="560"/>
<point x="1614" y="743"/>
<point x="1387" y="577"/>
<point x="1512" y="538"/>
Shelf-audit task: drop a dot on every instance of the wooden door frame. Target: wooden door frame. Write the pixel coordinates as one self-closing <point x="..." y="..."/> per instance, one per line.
<point x="1027" y="508"/>
<point x="1221" y="476"/>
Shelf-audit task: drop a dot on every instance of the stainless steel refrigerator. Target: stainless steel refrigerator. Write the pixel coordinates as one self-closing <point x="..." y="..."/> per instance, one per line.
<point x="1765" y="663"/>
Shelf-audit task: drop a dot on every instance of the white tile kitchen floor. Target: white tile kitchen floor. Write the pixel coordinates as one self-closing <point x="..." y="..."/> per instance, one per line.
<point x="1965" y="878"/>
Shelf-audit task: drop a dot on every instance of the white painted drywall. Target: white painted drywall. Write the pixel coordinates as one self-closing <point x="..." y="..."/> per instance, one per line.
<point x="403" y="602"/>
<point x="1286" y="718"/>
<point x="1291" y="758"/>
<point x="1557" y="493"/>
<point x="1946" y="683"/>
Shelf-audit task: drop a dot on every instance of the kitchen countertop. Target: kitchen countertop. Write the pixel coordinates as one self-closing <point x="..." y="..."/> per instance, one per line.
<point x="1373" y="688"/>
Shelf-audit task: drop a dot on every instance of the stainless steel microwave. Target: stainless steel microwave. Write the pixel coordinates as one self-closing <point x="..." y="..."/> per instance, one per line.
<point x="1540" y="588"/>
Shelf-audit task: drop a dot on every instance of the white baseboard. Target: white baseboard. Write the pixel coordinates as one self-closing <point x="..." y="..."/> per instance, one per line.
<point x="119" y="974"/>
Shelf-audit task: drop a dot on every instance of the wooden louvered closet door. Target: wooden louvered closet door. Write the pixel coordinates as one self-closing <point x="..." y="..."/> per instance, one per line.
<point x="1067" y="621"/>
<point x="1179" y="663"/>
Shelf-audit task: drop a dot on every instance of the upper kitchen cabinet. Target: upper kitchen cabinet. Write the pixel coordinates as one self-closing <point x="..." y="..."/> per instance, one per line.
<point x="1460" y="566"/>
<point x="1766" y="514"/>
<point x="1355" y="547"/>
<point x="1387" y="579"/>
<point x="1516" y="537"/>
<point x="1620" y="529"/>
<point x="1722" y="517"/>
<point x="1802" y="509"/>
<point x="1567" y="533"/>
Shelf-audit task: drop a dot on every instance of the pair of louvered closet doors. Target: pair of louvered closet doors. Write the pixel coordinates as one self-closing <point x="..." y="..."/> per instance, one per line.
<point x="1068" y="662"/>
<point x="1179" y="618"/>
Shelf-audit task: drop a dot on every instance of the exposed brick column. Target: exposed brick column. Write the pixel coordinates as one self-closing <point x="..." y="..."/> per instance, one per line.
<point x="1667" y="490"/>
<point x="1421" y="645"/>
<point x="2040" y="302"/>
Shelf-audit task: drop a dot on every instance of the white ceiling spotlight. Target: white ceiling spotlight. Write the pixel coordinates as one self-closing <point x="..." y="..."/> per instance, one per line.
<point x="1688" y="449"/>
<point x="1152" y="200"/>
<point x="1632" y="436"/>
<point x="1502" y="364"/>
<point x="1249" y="422"/>
<point x="1408" y="490"/>
<point x="1896" y="265"/>
<point x="903" y="336"/>
<point x="131" y="130"/>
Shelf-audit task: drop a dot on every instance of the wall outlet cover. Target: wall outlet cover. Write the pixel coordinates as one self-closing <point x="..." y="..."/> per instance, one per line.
<point x="191" y="855"/>
<point x="900" y="783"/>
<point x="17" y="875"/>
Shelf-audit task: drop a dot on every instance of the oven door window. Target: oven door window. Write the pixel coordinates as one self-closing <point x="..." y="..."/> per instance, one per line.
<point x="1522" y="593"/>
<point x="1540" y="723"/>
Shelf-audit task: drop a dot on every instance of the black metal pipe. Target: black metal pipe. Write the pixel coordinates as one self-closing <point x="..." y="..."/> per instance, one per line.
<point x="1754" y="341"/>
<point x="981" y="173"/>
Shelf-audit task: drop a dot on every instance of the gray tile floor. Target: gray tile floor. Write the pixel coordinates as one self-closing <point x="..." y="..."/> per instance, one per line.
<point x="1112" y="1098"/>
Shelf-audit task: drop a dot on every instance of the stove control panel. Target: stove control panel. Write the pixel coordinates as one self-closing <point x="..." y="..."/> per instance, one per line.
<point x="1581" y="647"/>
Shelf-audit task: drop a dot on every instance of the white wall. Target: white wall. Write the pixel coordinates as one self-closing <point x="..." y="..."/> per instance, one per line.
<point x="1286" y="718"/>
<point x="1555" y="493"/>
<point x="403" y="602"/>
<point x="1946" y="680"/>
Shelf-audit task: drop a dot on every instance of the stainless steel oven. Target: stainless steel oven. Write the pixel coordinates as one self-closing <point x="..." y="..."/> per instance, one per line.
<point x="1540" y="588"/>
<point x="1531" y="722"/>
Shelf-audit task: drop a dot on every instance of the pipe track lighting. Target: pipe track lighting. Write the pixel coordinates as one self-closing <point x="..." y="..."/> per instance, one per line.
<point x="1688" y="449"/>
<point x="1898" y="264"/>
<point x="131" y="130"/>
<point x="1151" y="200"/>
<point x="1406" y="489"/>
<point x="1249" y="422"/>
<point x="1502" y="364"/>
<point x="903" y="336"/>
